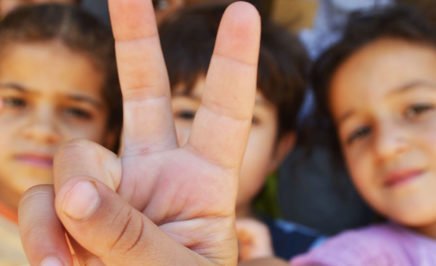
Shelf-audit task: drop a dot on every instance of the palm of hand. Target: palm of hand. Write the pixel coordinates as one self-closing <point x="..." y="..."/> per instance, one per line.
<point x="187" y="196"/>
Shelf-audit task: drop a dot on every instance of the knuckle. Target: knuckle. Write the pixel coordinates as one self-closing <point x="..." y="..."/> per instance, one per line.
<point x="130" y="233"/>
<point x="73" y="149"/>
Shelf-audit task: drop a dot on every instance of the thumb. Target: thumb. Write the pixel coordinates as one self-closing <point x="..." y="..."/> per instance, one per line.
<point x="108" y="227"/>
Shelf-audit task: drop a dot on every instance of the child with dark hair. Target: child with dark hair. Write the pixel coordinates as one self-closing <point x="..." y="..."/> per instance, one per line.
<point x="58" y="82"/>
<point x="377" y="87"/>
<point x="187" y="40"/>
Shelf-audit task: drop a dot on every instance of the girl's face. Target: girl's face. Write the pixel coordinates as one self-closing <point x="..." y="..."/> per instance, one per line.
<point x="383" y="101"/>
<point x="50" y="95"/>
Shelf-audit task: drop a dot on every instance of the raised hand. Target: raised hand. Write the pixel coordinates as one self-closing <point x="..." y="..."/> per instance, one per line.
<point x="174" y="205"/>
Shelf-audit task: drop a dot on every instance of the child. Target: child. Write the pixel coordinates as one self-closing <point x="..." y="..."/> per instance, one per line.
<point x="378" y="87"/>
<point x="187" y="40"/>
<point x="58" y="82"/>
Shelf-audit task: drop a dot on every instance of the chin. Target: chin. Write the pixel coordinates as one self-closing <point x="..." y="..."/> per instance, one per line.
<point x="415" y="219"/>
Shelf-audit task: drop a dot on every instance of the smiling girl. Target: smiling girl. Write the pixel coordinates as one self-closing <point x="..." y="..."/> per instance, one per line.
<point x="378" y="86"/>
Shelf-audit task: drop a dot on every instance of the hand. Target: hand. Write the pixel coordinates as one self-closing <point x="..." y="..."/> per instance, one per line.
<point x="174" y="205"/>
<point x="254" y="239"/>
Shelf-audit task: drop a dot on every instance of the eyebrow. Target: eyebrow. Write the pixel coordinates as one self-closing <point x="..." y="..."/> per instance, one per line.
<point x="344" y="117"/>
<point x="73" y="97"/>
<point x="415" y="84"/>
<point x="14" y="86"/>
<point x="86" y="99"/>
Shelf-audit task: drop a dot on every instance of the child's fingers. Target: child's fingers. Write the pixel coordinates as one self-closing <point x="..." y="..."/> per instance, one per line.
<point x="148" y="120"/>
<point x="223" y="121"/>
<point x="254" y="239"/>
<point x="85" y="158"/>
<point x="41" y="232"/>
<point x="114" y="231"/>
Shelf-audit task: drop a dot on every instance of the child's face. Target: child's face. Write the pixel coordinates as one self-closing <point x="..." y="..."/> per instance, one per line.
<point x="50" y="95"/>
<point x="383" y="100"/>
<point x="259" y="159"/>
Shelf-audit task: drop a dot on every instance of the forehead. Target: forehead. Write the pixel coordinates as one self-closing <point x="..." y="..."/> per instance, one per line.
<point x="49" y="67"/>
<point x="379" y="68"/>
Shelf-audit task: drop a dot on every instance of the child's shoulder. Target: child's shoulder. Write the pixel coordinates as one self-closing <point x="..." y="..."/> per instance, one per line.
<point x="291" y="239"/>
<point x="384" y="244"/>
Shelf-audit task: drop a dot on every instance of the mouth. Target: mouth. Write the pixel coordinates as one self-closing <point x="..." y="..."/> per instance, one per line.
<point x="35" y="160"/>
<point x="401" y="177"/>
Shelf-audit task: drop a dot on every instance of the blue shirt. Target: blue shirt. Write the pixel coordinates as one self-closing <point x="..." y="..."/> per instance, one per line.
<point x="291" y="239"/>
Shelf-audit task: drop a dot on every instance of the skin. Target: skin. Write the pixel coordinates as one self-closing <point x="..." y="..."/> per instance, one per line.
<point x="40" y="113"/>
<point x="7" y="6"/>
<point x="263" y="151"/>
<point x="173" y="205"/>
<point x="254" y="240"/>
<point x="383" y="100"/>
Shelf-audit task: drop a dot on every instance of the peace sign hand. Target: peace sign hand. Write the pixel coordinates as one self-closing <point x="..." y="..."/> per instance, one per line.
<point x="174" y="205"/>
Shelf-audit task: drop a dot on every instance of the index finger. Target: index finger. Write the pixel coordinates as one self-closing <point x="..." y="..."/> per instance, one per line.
<point x="148" y="120"/>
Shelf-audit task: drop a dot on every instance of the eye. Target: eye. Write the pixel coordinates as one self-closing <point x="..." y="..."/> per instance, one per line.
<point x="79" y="113"/>
<point x="415" y="110"/>
<point x="14" y="102"/>
<point x="358" y="134"/>
<point x="185" y="114"/>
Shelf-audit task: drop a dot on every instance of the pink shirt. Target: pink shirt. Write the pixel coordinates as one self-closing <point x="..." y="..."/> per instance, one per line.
<point x="380" y="245"/>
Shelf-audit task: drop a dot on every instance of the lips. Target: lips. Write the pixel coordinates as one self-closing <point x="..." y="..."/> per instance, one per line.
<point x="35" y="160"/>
<point x="403" y="176"/>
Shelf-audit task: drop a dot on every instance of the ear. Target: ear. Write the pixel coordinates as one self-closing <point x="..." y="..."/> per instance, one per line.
<point x="284" y="145"/>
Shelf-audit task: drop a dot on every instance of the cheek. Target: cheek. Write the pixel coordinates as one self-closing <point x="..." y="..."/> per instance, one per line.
<point x="428" y="141"/>
<point x="259" y="150"/>
<point x="7" y="139"/>
<point x="360" y="169"/>
<point x="10" y="129"/>
<point x="255" y="165"/>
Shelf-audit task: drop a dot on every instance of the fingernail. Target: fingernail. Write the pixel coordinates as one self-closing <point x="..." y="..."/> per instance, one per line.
<point x="51" y="261"/>
<point x="81" y="201"/>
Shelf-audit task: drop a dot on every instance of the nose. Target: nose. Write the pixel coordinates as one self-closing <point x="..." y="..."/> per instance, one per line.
<point x="390" y="140"/>
<point x="42" y="126"/>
